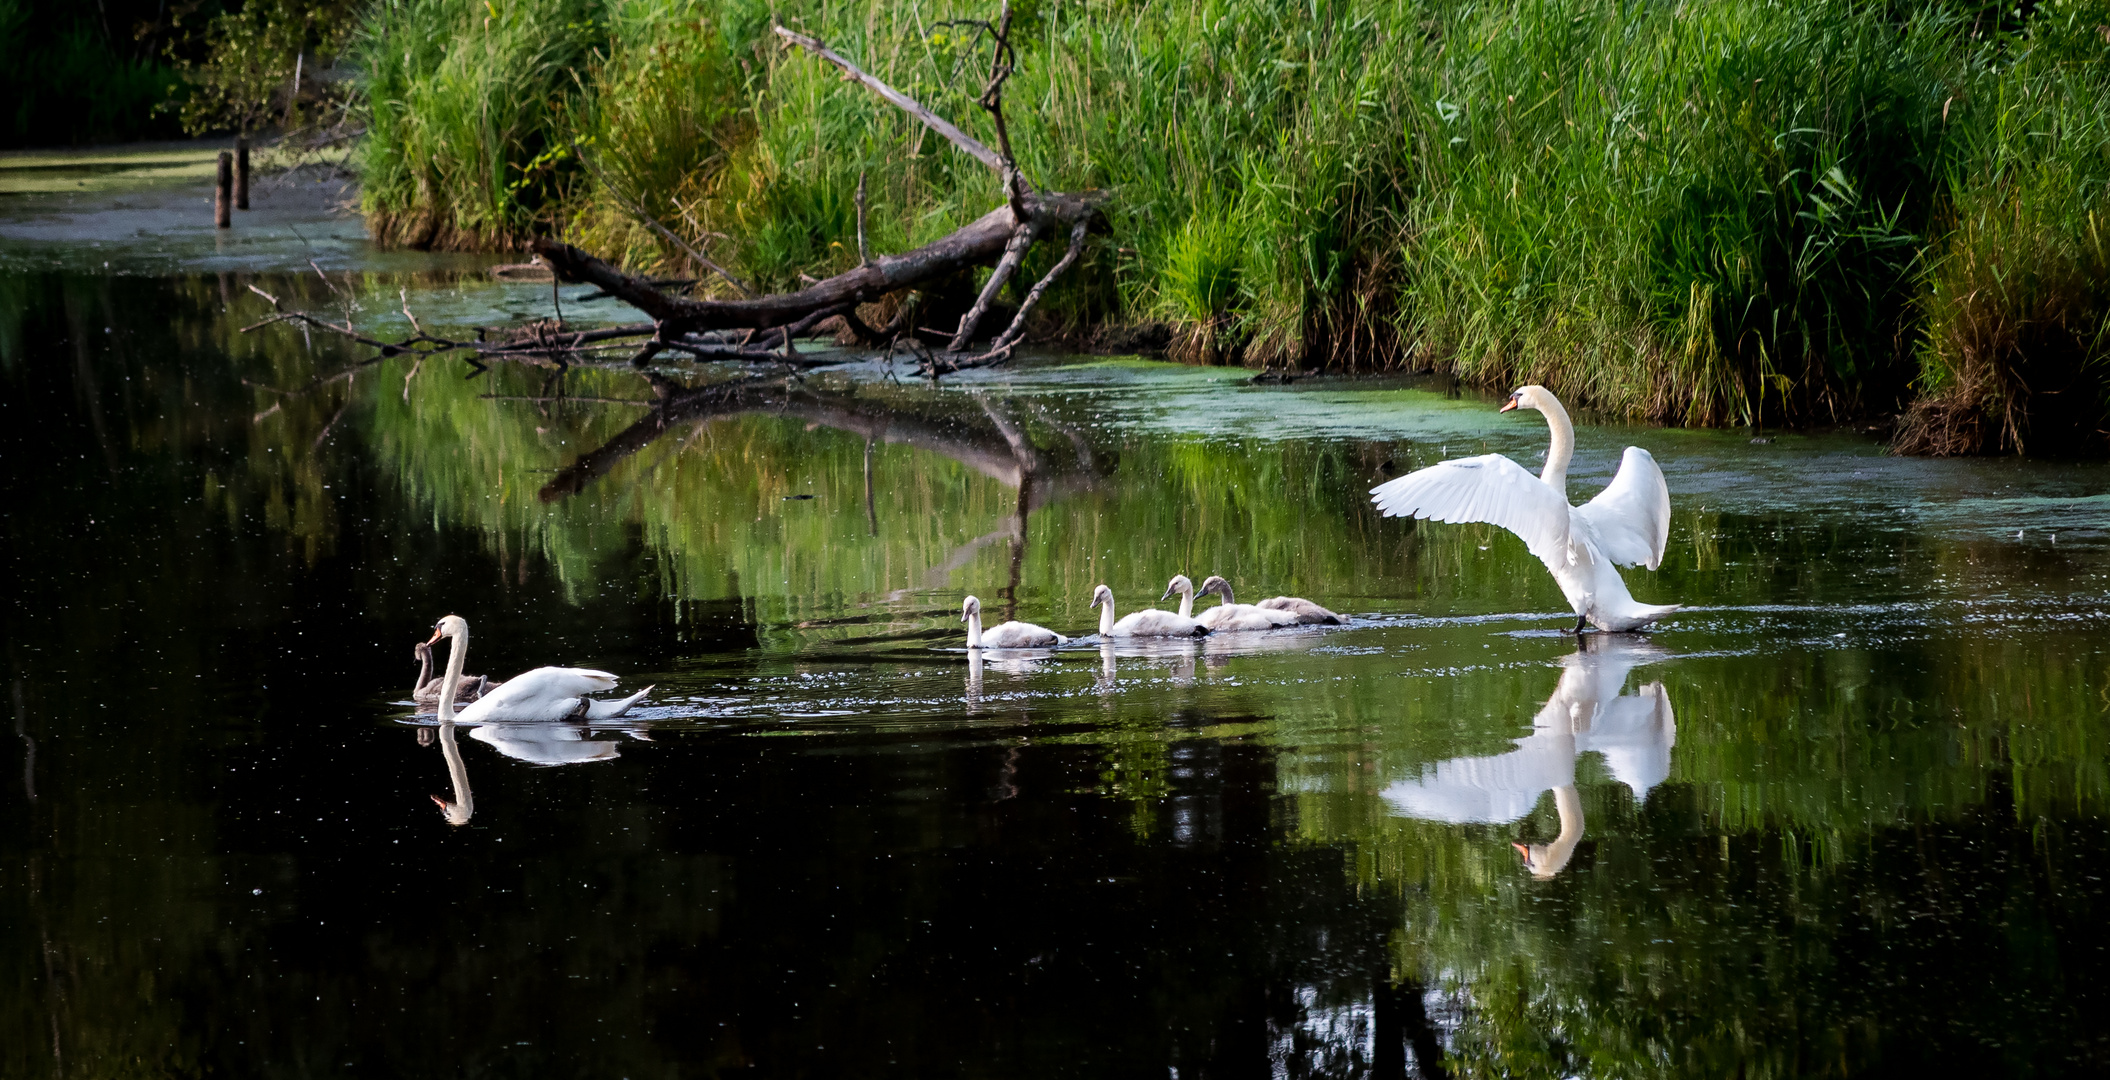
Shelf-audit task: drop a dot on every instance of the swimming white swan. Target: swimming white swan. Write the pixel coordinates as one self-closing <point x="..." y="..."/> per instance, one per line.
<point x="1226" y="616"/>
<point x="1149" y="622"/>
<point x="425" y="690"/>
<point x="1625" y="525"/>
<point x="1010" y="635"/>
<point x="544" y="694"/>
<point x="1305" y="611"/>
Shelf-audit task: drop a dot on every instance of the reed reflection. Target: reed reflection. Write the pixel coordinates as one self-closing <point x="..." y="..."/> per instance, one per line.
<point x="1633" y="732"/>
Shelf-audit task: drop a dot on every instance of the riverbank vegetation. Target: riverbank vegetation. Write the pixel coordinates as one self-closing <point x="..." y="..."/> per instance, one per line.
<point x="1712" y="214"/>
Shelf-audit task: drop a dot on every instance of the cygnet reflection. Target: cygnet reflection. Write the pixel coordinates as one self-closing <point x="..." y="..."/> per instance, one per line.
<point x="1022" y="662"/>
<point x="1586" y="713"/>
<point x="1176" y="657"/>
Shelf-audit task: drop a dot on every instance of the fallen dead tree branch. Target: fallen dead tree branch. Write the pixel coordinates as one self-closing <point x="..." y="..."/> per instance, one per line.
<point x="763" y="329"/>
<point x="1002" y="238"/>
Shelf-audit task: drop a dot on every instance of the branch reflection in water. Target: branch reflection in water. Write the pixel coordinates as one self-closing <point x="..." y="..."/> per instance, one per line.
<point x="1586" y="713"/>
<point x="1000" y="449"/>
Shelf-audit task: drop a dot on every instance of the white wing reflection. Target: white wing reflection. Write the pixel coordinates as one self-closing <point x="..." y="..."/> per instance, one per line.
<point x="1586" y="713"/>
<point x="532" y="742"/>
<point x="552" y="743"/>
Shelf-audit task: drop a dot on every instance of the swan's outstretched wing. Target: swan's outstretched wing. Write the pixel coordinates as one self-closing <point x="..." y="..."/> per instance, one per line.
<point x="1489" y="488"/>
<point x="1631" y="516"/>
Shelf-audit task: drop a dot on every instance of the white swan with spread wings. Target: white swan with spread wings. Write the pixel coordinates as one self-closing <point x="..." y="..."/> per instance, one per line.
<point x="1625" y="525"/>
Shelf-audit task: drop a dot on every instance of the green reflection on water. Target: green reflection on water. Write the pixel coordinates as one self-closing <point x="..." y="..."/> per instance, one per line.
<point x="1889" y="734"/>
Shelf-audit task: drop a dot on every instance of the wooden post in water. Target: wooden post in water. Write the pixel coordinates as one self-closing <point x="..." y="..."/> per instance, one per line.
<point x="241" y="172"/>
<point x="223" y="193"/>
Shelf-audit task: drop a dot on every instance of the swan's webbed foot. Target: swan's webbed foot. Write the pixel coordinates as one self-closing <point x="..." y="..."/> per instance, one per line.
<point x="1580" y="623"/>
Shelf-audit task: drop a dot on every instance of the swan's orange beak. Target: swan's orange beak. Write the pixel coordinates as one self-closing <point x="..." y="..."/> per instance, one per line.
<point x="1508" y="405"/>
<point x="1522" y="851"/>
<point x="441" y="803"/>
<point x="435" y="636"/>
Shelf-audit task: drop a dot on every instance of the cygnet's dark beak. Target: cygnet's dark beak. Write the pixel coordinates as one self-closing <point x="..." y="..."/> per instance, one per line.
<point x="1508" y="405"/>
<point x="1168" y="593"/>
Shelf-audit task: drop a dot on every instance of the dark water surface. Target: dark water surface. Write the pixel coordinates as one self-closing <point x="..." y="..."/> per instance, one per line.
<point x="1844" y="815"/>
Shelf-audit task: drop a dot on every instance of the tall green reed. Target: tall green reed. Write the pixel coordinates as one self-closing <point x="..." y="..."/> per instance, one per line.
<point x="2015" y="346"/>
<point x="464" y="103"/>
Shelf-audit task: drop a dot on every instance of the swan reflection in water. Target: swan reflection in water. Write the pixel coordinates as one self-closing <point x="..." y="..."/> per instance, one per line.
<point x="536" y="743"/>
<point x="463" y="806"/>
<point x="1586" y="713"/>
<point x="1014" y="662"/>
<point x="1181" y="659"/>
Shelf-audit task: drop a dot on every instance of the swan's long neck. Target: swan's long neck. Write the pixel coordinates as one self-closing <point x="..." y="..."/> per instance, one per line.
<point x="1223" y="590"/>
<point x="424" y="670"/>
<point x="457" y="655"/>
<point x="1186" y="603"/>
<point x="1106" y="616"/>
<point x="1558" y="455"/>
<point x="974" y="629"/>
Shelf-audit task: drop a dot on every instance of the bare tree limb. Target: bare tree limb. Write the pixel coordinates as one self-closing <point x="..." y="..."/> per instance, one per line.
<point x="1007" y="343"/>
<point x="653" y="223"/>
<point x="864" y="255"/>
<point x="907" y="104"/>
<point x="1017" y="329"/>
<point x="1014" y="254"/>
<point x="978" y="243"/>
<point x="1002" y="62"/>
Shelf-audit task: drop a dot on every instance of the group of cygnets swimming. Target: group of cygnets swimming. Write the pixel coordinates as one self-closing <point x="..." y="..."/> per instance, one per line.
<point x="1270" y="614"/>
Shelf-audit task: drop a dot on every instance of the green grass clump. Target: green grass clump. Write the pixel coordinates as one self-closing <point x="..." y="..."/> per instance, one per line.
<point x="2015" y="346"/>
<point x="1700" y="213"/>
<point x="464" y="103"/>
<point x="659" y="113"/>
